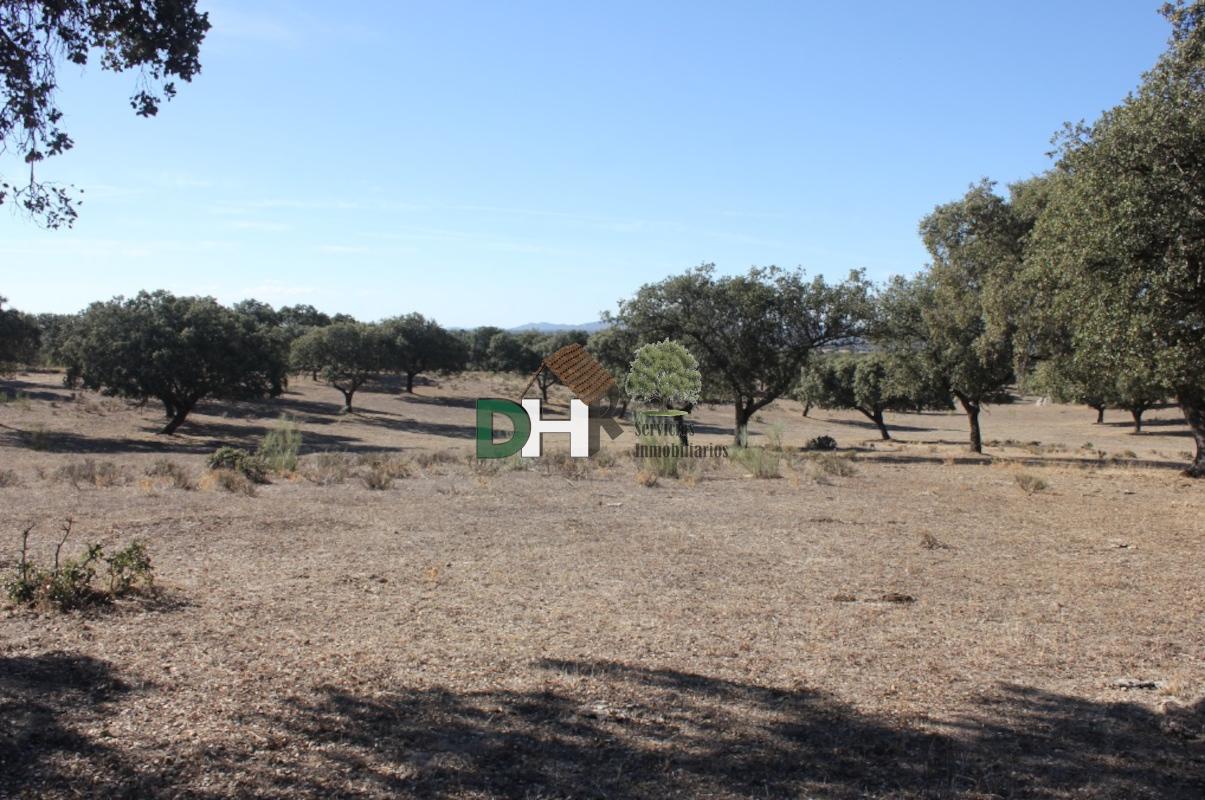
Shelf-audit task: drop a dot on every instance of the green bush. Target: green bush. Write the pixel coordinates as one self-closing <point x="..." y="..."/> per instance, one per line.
<point x="665" y="463"/>
<point x="822" y="443"/>
<point x="761" y="461"/>
<point x="236" y="459"/>
<point x="278" y="451"/>
<point x="128" y="567"/>
<point x="68" y="584"/>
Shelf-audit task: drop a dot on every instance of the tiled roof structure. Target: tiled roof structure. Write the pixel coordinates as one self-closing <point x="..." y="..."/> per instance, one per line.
<point x="578" y="370"/>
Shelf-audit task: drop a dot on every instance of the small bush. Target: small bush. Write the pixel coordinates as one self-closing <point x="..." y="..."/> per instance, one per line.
<point x="236" y="459"/>
<point x="391" y="465"/>
<point x="1031" y="484"/>
<point x="172" y="473"/>
<point x="328" y="469"/>
<point x="8" y="478"/>
<point x="377" y="478"/>
<point x="760" y="461"/>
<point x="101" y="474"/>
<point x="838" y="466"/>
<point x="233" y="482"/>
<point x="426" y="460"/>
<point x="560" y="463"/>
<point x="278" y="451"/>
<point x="665" y="463"/>
<point x="68" y="584"/>
<point x="128" y="568"/>
<point x="774" y="435"/>
<point x="604" y="458"/>
<point x="821" y="443"/>
<point x="647" y="477"/>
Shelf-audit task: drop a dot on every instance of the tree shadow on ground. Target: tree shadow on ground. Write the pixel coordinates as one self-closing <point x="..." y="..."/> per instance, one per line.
<point x="46" y="702"/>
<point x="632" y="732"/>
<point x="868" y="425"/>
<point x="619" y="731"/>
<point x="201" y="437"/>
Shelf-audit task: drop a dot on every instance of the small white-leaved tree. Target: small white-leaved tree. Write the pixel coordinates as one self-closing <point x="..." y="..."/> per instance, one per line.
<point x="666" y="374"/>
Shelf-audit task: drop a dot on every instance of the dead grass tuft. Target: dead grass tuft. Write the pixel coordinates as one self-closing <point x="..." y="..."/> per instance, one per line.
<point x="1030" y="484"/>
<point x="101" y="474"/>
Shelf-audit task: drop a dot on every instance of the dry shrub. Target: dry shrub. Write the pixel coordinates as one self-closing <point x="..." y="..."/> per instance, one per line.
<point x="604" y="458"/>
<point x="101" y="474"/>
<point x="171" y="474"/>
<point x="931" y="542"/>
<point x="228" y="480"/>
<point x="387" y="464"/>
<point x="761" y="462"/>
<point x="838" y="466"/>
<point x="561" y="463"/>
<point x="8" y="478"/>
<point x="1031" y="484"/>
<point x="646" y="477"/>
<point x="426" y="460"/>
<point x="377" y="478"/>
<point x="328" y="469"/>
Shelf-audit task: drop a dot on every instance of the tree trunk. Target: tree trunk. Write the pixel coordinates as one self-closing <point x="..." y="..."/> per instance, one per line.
<point x="177" y="419"/>
<point x="410" y="382"/>
<point x="972" y="410"/>
<point x="347" y="396"/>
<point x="169" y="408"/>
<point x="741" y="435"/>
<point x="878" y="420"/>
<point x="681" y="424"/>
<point x="1100" y="414"/>
<point x="1192" y="405"/>
<point x="807" y="408"/>
<point x="1136" y="413"/>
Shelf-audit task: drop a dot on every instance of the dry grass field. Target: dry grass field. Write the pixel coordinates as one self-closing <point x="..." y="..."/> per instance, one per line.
<point x="896" y="620"/>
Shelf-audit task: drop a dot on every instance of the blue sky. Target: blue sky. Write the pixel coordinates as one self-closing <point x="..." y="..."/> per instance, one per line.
<point x="500" y="163"/>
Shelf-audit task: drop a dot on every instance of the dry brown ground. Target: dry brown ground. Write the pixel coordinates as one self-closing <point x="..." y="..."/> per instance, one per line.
<point x="546" y="634"/>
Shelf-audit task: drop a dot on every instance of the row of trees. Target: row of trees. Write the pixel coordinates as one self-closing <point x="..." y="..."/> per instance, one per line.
<point x="180" y="350"/>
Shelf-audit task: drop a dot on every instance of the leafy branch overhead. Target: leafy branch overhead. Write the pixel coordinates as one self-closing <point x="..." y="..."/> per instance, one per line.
<point x="161" y="40"/>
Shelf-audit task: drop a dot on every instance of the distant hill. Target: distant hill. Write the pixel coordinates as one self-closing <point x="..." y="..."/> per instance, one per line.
<point x="554" y="327"/>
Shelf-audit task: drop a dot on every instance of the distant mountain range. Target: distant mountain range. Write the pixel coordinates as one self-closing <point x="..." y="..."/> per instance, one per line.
<point x="554" y="327"/>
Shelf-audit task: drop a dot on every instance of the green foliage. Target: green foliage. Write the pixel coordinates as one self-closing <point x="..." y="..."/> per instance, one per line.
<point x="280" y="446"/>
<point x="177" y="350"/>
<point x="510" y="353"/>
<point x="128" y="568"/>
<point x="1118" y="255"/>
<point x="751" y="333"/>
<point x="238" y="460"/>
<point x="345" y="354"/>
<point x="871" y="383"/>
<point x="415" y="344"/>
<point x="68" y="583"/>
<point x="665" y="464"/>
<point x="19" y="333"/>
<point x="160" y="40"/>
<point x="762" y="462"/>
<point x="821" y="443"/>
<point x="665" y="373"/>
